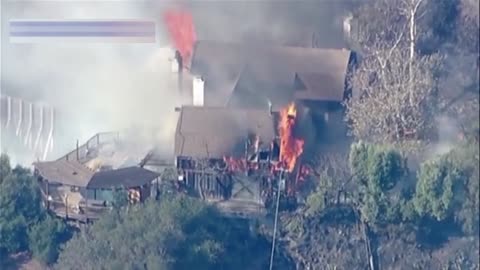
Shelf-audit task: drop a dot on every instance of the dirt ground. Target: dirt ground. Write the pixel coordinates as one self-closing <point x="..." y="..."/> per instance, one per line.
<point x="24" y="261"/>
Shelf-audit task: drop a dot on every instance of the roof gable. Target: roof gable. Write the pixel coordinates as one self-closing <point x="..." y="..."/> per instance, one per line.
<point x="65" y="172"/>
<point x="264" y="68"/>
<point x="319" y="86"/>
<point x="73" y="173"/>
<point x="218" y="131"/>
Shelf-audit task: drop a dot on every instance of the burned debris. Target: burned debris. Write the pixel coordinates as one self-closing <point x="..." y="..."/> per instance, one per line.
<point x="221" y="158"/>
<point x="228" y="146"/>
<point x="235" y="156"/>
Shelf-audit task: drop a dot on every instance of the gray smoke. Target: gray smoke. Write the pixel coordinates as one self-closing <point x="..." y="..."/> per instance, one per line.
<point x="448" y="131"/>
<point x="94" y="87"/>
<point x="102" y="87"/>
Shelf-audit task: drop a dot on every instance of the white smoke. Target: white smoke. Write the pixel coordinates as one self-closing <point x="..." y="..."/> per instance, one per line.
<point x="101" y="87"/>
<point x="94" y="87"/>
<point x="447" y="136"/>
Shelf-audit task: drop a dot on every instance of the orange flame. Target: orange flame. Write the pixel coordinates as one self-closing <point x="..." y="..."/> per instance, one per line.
<point x="233" y="164"/>
<point x="182" y="31"/>
<point x="239" y="165"/>
<point x="290" y="147"/>
<point x="303" y="173"/>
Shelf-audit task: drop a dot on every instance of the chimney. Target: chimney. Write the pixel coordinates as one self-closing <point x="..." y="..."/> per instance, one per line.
<point x="78" y="158"/>
<point x="270" y="108"/>
<point x="347" y="26"/>
<point x="198" y="91"/>
<point x="177" y="66"/>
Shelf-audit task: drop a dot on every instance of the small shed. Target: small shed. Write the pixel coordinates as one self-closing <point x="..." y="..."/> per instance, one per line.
<point x="73" y="191"/>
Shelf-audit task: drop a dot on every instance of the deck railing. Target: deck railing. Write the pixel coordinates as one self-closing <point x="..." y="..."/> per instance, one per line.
<point x="86" y="210"/>
<point x="83" y="153"/>
<point x="32" y="123"/>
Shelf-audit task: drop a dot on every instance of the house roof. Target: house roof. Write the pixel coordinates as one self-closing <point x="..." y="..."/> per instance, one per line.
<point x="66" y="172"/>
<point x="73" y="173"/>
<point x="320" y="86"/>
<point x="220" y="66"/>
<point x="124" y="177"/>
<point x="218" y="131"/>
<point x="267" y="66"/>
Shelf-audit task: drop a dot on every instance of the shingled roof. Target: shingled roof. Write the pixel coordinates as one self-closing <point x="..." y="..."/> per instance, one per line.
<point x="66" y="172"/>
<point x="125" y="177"/>
<point x="74" y="173"/>
<point x="215" y="132"/>
<point x="267" y="67"/>
<point x="320" y="86"/>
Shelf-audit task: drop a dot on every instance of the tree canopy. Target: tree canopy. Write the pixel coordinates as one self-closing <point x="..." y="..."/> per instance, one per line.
<point x="448" y="188"/>
<point x="173" y="233"/>
<point x="24" y="224"/>
<point x="381" y="173"/>
<point x="20" y="206"/>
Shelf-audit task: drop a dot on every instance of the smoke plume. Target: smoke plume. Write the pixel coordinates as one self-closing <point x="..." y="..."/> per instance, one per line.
<point x="94" y="87"/>
<point x="101" y="87"/>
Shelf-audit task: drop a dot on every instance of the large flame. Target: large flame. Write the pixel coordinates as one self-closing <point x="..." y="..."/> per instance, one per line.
<point x="182" y="32"/>
<point x="290" y="147"/>
<point x="238" y="165"/>
<point x="234" y="165"/>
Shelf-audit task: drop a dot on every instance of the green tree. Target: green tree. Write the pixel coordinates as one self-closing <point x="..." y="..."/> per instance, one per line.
<point x="176" y="232"/>
<point x="5" y="168"/>
<point x="379" y="170"/>
<point x="435" y="188"/>
<point x="20" y="205"/>
<point x="45" y="238"/>
<point x="448" y="187"/>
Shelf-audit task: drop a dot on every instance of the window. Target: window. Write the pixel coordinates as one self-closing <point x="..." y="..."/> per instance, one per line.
<point x="104" y="195"/>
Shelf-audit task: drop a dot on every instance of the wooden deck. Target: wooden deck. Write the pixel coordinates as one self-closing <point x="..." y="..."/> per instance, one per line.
<point x="91" y="210"/>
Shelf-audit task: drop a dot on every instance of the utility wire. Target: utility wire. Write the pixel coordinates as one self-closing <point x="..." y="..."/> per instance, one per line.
<point x="275" y="222"/>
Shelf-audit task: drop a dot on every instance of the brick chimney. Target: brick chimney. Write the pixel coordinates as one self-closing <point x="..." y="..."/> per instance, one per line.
<point x="198" y="91"/>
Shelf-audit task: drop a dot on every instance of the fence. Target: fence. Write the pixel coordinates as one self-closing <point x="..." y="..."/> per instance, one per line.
<point x="87" y="151"/>
<point x="32" y="123"/>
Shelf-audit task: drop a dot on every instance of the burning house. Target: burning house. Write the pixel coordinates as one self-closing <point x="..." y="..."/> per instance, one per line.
<point x="240" y="130"/>
<point x="252" y="76"/>
<point x="216" y="150"/>
<point x="237" y="158"/>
